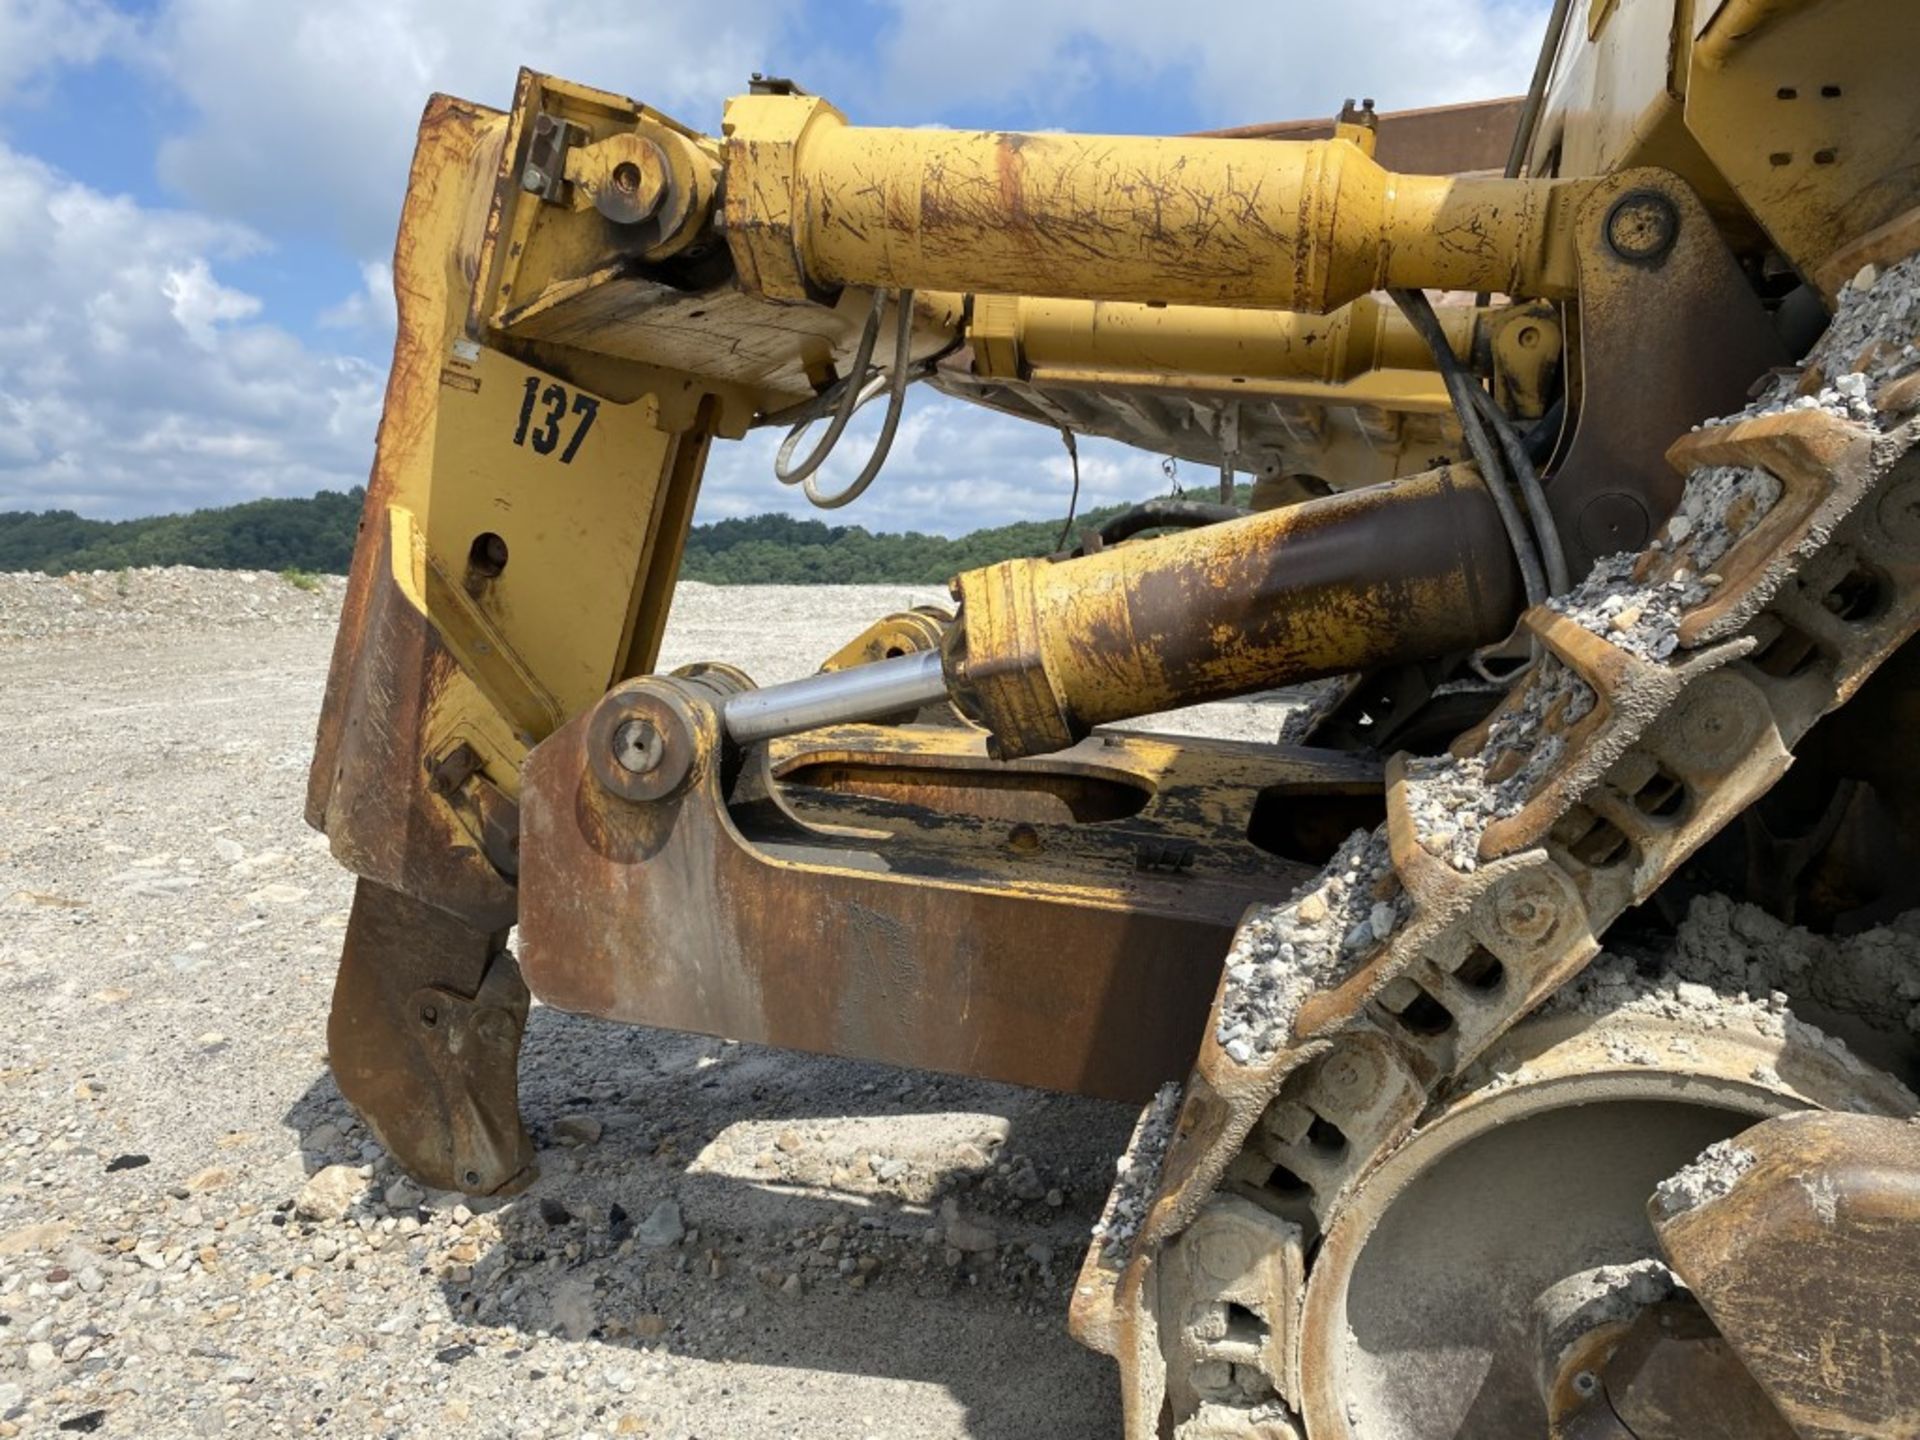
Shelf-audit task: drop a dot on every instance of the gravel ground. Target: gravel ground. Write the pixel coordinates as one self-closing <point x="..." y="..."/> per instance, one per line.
<point x="196" y="1238"/>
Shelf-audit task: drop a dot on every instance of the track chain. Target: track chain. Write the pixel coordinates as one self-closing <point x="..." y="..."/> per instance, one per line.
<point x="1612" y="763"/>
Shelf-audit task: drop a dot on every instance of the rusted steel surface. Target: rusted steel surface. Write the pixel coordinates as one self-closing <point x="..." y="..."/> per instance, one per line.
<point x="385" y="815"/>
<point x="1437" y="140"/>
<point x="1349" y="582"/>
<point x="450" y="135"/>
<point x="926" y="911"/>
<point x="424" y="1041"/>
<point x="1666" y="344"/>
<point x="1674" y="1377"/>
<point x="1556" y="872"/>
<point x="1809" y="1263"/>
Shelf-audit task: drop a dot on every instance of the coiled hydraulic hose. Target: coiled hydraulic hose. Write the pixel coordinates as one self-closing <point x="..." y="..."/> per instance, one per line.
<point x="856" y="390"/>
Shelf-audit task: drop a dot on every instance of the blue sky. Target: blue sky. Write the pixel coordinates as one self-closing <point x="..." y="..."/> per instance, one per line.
<point x="197" y="199"/>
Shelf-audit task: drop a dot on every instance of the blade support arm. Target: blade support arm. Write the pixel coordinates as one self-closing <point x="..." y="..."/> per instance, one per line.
<point x="813" y="204"/>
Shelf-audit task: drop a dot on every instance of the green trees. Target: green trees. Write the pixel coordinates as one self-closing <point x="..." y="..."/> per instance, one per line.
<point x="316" y="535"/>
<point x="780" y="550"/>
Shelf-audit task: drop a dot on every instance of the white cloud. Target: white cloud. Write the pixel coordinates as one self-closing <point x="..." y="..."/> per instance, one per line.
<point x="38" y="36"/>
<point x="306" y="114"/>
<point x="1244" y="60"/>
<point x="201" y="303"/>
<point x="954" y="467"/>
<point x="370" y="310"/>
<point x="134" y="380"/>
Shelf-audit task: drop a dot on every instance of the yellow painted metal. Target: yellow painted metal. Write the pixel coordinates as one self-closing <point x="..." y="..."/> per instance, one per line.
<point x="1617" y="104"/>
<point x="813" y="204"/>
<point x="1365" y="137"/>
<point x="1045" y="650"/>
<point x="1801" y="107"/>
<point x="901" y="633"/>
<point x="1527" y="347"/>
<point x="579" y="532"/>
<point x="560" y="291"/>
<point x="1351" y="399"/>
<point x="533" y="521"/>
<point x="1397" y="392"/>
<point x="1784" y="115"/>
<point x="681" y="175"/>
<point x="1014" y="336"/>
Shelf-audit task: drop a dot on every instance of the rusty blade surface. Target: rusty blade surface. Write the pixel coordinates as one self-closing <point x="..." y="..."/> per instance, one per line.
<point x="1809" y="1263"/>
<point x="424" y="1041"/>
<point x="905" y="903"/>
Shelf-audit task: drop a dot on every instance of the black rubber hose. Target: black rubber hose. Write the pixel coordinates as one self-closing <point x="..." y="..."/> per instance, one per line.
<point x="1546" y="530"/>
<point x="1419" y="312"/>
<point x="1158" y="514"/>
<point x="1545" y="434"/>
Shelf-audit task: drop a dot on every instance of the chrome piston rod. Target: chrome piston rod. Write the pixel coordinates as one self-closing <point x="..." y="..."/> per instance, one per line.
<point x="843" y="697"/>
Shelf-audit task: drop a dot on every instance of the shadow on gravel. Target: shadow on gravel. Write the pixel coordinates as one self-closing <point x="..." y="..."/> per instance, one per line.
<point x="695" y="1122"/>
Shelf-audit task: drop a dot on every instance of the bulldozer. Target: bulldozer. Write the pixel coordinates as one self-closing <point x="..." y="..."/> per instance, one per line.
<point x="1524" y="1037"/>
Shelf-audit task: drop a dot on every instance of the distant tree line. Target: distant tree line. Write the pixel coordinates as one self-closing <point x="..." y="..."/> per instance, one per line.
<point x="783" y="550"/>
<point x="316" y="535"/>
<point x="304" y="535"/>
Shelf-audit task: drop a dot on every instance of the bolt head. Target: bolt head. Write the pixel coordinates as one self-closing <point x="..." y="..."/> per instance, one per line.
<point x="1527" y="908"/>
<point x="638" y="746"/>
<point x="1642" y="226"/>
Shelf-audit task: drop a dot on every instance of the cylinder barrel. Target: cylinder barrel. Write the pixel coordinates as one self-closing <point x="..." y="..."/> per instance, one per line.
<point x="1048" y="649"/>
<point x="814" y="204"/>
<point x="1015" y="336"/>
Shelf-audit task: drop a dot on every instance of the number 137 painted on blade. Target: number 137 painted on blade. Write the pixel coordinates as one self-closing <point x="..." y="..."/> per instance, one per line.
<point x="543" y="433"/>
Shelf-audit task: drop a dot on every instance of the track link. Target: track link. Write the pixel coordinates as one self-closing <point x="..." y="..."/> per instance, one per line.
<point x="1671" y="689"/>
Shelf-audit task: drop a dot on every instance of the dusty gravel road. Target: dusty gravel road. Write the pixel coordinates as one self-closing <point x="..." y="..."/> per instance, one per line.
<point x="725" y="1241"/>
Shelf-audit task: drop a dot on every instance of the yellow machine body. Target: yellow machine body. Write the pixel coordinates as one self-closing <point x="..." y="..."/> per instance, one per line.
<point x="592" y="295"/>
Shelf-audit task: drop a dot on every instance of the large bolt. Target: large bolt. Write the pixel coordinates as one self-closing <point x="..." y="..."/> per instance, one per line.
<point x="1642" y="226"/>
<point x="643" y="741"/>
<point x="638" y="746"/>
<point x="1224" y="1254"/>
<point x="636" y="186"/>
<point x="1527" y="908"/>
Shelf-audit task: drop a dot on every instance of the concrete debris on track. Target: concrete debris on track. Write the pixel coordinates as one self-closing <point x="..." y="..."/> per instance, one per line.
<point x="1138" y="1176"/>
<point x="1283" y="953"/>
<point x="1711" y="1177"/>
<point x="724" y="1240"/>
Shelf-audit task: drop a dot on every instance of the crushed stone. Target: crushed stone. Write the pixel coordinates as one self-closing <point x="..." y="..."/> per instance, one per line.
<point x="1711" y="1176"/>
<point x="89" y="604"/>
<point x="1715" y="977"/>
<point x="1740" y="949"/>
<point x="1637" y="601"/>
<point x="1313" y="702"/>
<point x="1269" y="1420"/>
<point x="1312" y="941"/>
<point x="1853" y="359"/>
<point x="1137" y="1174"/>
<point x="1454" y="798"/>
<point x="182" y="895"/>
